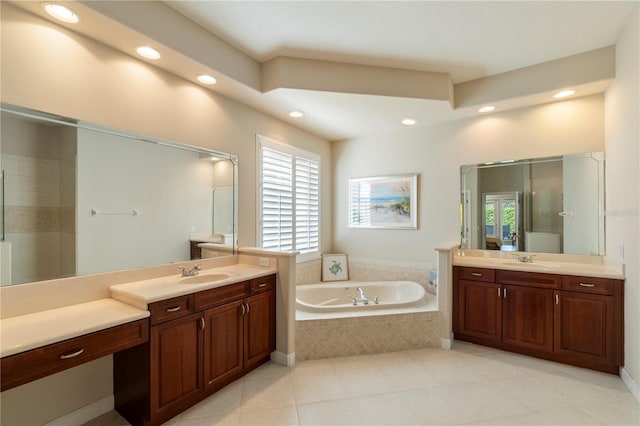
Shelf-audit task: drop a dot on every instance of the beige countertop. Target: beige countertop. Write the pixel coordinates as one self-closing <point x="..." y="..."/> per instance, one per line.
<point x="141" y="293"/>
<point x="207" y="238"/>
<point x="548" y="266"/>
<point x="26" y="332"/>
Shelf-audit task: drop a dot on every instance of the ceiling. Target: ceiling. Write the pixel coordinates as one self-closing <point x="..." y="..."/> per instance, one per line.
<point x="466" y="40"/>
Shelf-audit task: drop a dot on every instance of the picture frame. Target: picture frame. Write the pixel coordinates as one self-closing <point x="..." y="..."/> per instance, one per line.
<point x="386" y="202"/>
<point x="335" y="267"/>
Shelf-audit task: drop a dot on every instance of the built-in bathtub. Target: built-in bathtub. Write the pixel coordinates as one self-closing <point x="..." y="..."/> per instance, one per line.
<point x="328" y="324"/>
<point x="345" y="296"/>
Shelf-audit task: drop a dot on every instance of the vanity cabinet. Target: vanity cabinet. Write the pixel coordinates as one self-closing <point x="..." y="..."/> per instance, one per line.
<point x="176" y="372"/>
<point x="479" y="306"/>
<point x="570" y="319"/>
<point x="198" y="344"/>
<point x="195" y="251"/>
<point x="27" y="366"/>
<point x="589" y="319"/>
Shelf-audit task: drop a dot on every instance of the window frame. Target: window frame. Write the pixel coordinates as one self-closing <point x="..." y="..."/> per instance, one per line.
<point x="263" y="141"/>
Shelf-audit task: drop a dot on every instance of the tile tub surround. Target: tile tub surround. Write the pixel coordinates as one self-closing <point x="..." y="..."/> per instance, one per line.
<point x="327" y="335"/>
<point x="328" y="338"/>
<point x="469" y="384"/>
<point x="361" y="269"/>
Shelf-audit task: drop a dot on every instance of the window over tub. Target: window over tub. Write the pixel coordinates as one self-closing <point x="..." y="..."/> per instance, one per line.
<point x="288" y="197"/>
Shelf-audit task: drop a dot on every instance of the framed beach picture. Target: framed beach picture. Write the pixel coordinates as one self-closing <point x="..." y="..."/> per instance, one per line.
<point x="384" y="202"/>
<point x="335" y="267"/>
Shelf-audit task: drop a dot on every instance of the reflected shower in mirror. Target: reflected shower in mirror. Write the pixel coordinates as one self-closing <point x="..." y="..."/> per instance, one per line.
<point x="544" y="205"/>
<point x="81" y="199"/>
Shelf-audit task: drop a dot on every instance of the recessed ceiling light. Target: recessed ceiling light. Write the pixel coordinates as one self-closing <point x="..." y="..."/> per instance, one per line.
<point x="296" y="114"/>
<point x="207" y="79"/>
<point x="61" y="13"/>
<point x="408" y="121"/>
<point x="148" y="52"/>
<point x="564" y="94"/>
<point x="487" y="108"/>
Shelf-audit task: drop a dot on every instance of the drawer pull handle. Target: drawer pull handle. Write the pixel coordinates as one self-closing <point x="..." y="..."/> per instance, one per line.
<point x="262" y="285"/>
<point x="504" y="292"/>
<point x="476" y="274"/>
<point x="247" y="308"/>
<point x="557" y="299"/>
<point x="587" y="285"/>
<point x="202" y="323"/>
<point x="498" y="291"/>
<point x="174" y="309"/>
<point x="244" y="309"/>
<point x="72" y="355"/>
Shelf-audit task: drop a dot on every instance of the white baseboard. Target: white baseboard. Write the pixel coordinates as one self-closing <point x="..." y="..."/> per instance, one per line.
<point x="86" y="413"/>
<point x="630" y="383"/>
<point x="446" y="343"/>
<point x="281" y="358"/>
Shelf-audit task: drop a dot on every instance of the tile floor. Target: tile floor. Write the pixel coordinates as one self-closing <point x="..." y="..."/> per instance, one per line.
<point x="470" y="384"/>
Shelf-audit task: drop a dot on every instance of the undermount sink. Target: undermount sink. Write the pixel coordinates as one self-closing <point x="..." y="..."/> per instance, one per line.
<point x="533" y="265"/>
<point x="204" y="278"/>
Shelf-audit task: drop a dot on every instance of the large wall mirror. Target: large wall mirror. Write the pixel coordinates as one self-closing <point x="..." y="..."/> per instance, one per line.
<point x="78" y="199"/>
<point x="544" y="205"/>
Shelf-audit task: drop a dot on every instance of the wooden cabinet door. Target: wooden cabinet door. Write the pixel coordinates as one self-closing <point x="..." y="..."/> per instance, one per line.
<point x="223" y="344"/>
<point x="479" y="310"/>
<point x="528" y="317"/>
<point x="584" y="325"/>
<point x="259" y="327"/>
<point x="176" y="364"/>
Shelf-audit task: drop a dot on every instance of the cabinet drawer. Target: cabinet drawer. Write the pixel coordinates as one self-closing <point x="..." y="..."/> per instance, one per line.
<point x="588" y="284"/>
<point x="529" y="279"/>
<point x="221" y="295"/>
<point x="169" y="309"/>
<point x="476" y="274"/>
<point x="262" y="284"/>
<point x="37" y="363"/>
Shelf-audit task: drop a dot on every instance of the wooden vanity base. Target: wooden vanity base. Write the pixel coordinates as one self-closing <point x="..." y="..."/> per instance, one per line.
<point x="198" y="343"/>
<point x="563" y="318"/>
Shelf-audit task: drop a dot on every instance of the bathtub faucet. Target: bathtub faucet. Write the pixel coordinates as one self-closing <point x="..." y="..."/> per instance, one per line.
<point x="363" y="297"/>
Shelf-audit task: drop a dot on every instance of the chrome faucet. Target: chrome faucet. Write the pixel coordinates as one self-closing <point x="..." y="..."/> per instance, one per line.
<point x="186" y="272"/>
<point x="363" y="297"/>
<point x="524" y="258"/>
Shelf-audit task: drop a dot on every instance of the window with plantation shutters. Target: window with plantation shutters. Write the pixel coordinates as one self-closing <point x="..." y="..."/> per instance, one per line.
<point x="289" y="194"/>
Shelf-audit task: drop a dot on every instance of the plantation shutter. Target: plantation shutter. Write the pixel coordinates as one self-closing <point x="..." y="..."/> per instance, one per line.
<point x="289" y="198"/>
<point x="277" y="200"/>
<point x="306" y="202"/>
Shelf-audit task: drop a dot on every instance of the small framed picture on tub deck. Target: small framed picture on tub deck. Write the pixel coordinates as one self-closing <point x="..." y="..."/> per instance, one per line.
<point x="335" y="267"/>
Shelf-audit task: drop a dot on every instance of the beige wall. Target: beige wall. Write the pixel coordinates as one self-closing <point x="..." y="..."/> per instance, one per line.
<point x="47" y="68"/>
<point x="622" y="109"/>
<point x="55" y="70"/>
<point x="437" y="153"/>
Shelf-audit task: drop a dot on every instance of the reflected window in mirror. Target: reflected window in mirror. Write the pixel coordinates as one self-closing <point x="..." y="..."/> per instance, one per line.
<point x="545" y="205"/>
